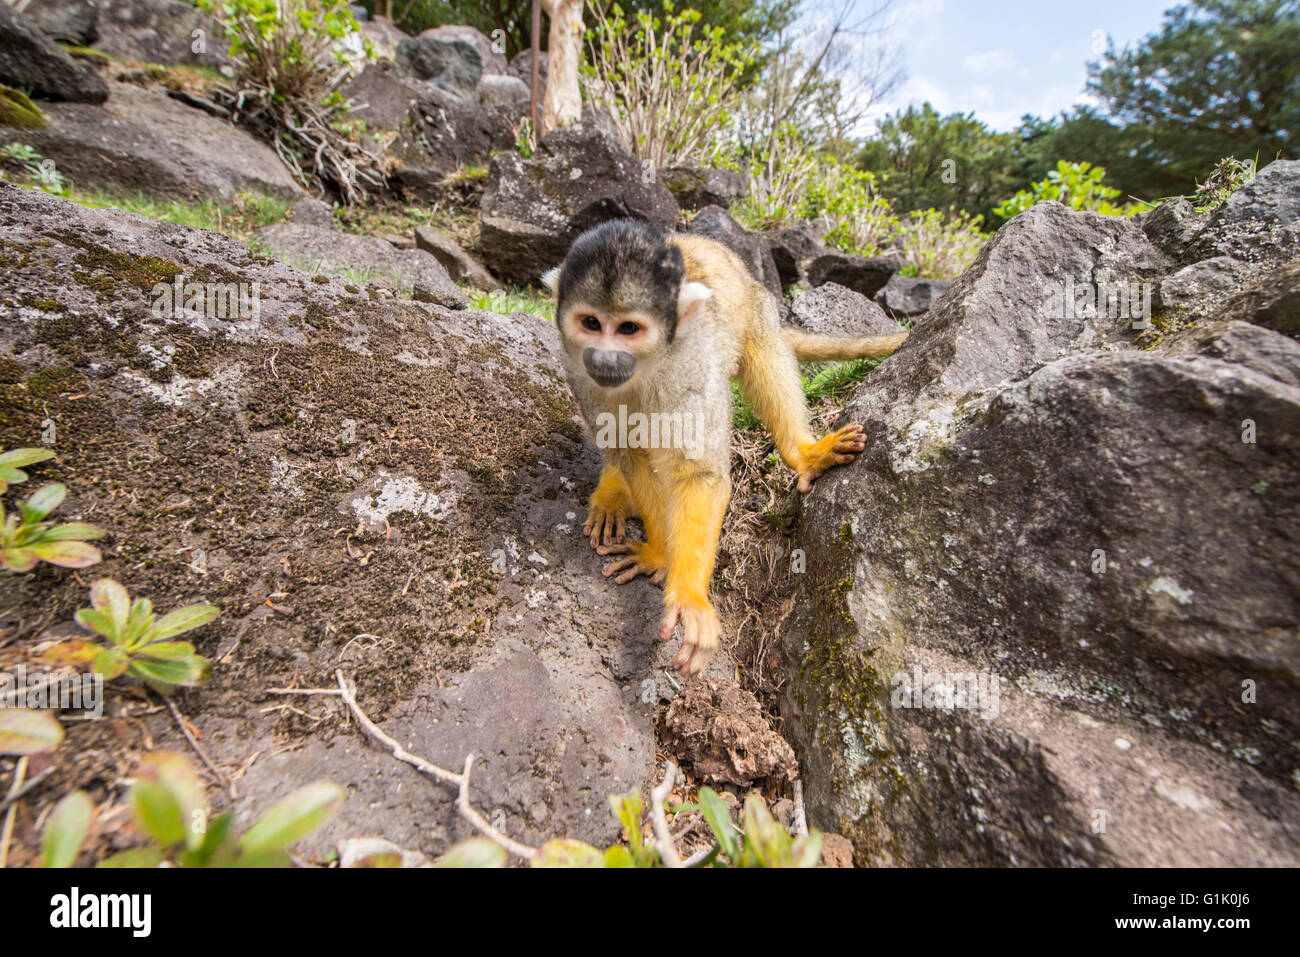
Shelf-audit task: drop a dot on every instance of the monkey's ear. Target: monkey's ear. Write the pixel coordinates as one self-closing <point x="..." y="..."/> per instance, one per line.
<point x="690" y="300"/>
<point x="551" y="278"/>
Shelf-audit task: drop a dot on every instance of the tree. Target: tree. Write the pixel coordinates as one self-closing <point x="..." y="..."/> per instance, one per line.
<point x="1222" y="77"/>
<point x="923" y="160"/>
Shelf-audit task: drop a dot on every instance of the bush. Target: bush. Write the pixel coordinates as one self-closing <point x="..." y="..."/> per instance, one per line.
<point x="940" y="245"/>
<point x="1077" y="185"/>
<point x="670" y="84"/>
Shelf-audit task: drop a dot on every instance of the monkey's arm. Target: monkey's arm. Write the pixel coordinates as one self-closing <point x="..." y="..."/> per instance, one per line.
<point x="697" y="503"/>
<point x="769" y="378"/>
<point x="609" y="508"/>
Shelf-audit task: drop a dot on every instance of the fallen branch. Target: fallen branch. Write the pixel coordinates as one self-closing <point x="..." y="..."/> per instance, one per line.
<point x="663" y="840"/>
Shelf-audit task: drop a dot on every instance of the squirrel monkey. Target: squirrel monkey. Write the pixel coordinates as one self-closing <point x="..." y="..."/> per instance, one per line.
<point x="654" y="329"/>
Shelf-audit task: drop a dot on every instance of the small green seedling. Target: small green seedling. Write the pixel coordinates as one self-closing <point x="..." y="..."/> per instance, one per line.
<point x="167" y="804"/>
<point x="12" y="462"/>
<point x="137" y="643"/>
<point x="25" y="538"/>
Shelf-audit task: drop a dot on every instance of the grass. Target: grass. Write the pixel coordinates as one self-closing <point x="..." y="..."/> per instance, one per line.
<point x="822" y="381"/>
<point x="237" y="220"/>
<point x="506" y="301"/>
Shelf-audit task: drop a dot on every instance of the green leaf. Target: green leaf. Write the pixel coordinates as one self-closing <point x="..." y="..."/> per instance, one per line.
<point x="764" y="837"/>
<point x="97" y="621"/>
<point x="134" y="857"/>
<point x="184" y="619"/>
<point x="24" y="731"/>
<point x="111" y="598"/>
<point x="46" y="499"/>
<point x="476" y="852"/>
<point x="18" y="458"/>
<point x="806" y="851"/>
<point x="75" y="530"/>
<point x="566" y="852"/>
<point x="71" y="653"/>
<point x="293" y="818"/>
<point x="187" y="672"/>
<point x="618" y="856"/>
<point x="66" y="554"/>
<point x="111" y="662"/>
<point x="66" y="830"/>
<point x="719" y="820"/>
<point x="167" y="799"/>
<point x="217" y="848"/>
<point x="167" y="650"/>
<point x="18" y="559"/>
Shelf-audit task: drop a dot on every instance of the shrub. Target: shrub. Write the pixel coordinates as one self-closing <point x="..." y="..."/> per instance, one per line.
<point x="1228" y="176"/>
<point x="940" y="245"/>
<point x="670" y="84"/>
<point x="1077" y="185"/>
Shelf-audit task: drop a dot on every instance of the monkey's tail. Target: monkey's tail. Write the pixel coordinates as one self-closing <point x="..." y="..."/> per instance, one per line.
<point x="813" y="348"/>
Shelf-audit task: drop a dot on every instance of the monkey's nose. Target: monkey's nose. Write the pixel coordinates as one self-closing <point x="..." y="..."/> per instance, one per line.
<point x="608" y="368"/>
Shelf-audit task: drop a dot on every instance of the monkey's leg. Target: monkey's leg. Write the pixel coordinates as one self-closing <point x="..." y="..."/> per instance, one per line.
<point x="696" y="504"/>
<point x="642" y="558"/>
<point x="769" y="379"/>
<point x="609" y="508"/>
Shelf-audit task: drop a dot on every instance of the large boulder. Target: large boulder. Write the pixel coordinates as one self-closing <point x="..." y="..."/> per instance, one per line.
<point x="1272" y="300"/>
<point x="383" y="36"/>
<point x="444" y="137"/>
<point x="864" y="274"/>
<point x="130" y="144"/>
<point x="73" y="21"/>
<point x="696" y="187"/>
<point x="309" y="239"/>
<point x="31" y="61"/>
<point x="1050" y="613"/>
<point x="714" y="222"/>
<point x="460" y="265"/>
<point x="792" y="247"/>
<point x="387" y="488"/>
<point x="451" y="63"/>
<point x="832" y="310"/>
<point x="491" y="60"/>
<point x="383" y="100"/>
<point x="906" y="297"/>
<point x="521" y="67"/>
<point x="160" y="31"/>
<point x="1259" y="223"/>
<point x="579" y="177"/>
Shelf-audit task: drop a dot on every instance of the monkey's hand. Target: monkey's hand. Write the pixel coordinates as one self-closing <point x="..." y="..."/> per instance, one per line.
<point x="609" y="509"/>
<point x="700" y="637"/>
<point x="837" y="448"/>
<point x="642" y="559"/>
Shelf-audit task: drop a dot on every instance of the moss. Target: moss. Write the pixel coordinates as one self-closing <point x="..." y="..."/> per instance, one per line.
<point x="143" y="272"/>
<point x="18" y="112"/>
<point x="45" y="305"/>
<point x="11" y="372"/>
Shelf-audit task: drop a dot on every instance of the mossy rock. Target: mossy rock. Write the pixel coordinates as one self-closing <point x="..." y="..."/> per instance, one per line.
<point x="18" y="112"/>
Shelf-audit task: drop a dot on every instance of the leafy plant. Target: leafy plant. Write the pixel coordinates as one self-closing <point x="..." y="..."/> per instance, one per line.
<point x="940" y="245"/>
<point x="138" y="644"/>
<point x="670" y="83"/>
<point x="506" y="301"/>
<point x="26" y="538"/>
<point x="1077" y="185"/>
<point x="28" y="731"/>
<point x="13" y="461"/>
<point x="41" y="173"/>
<point x="167" y="804"/>
<point x="1228" y="176"/>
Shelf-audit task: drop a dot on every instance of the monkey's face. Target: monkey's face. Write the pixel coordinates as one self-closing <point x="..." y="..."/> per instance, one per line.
<point x="613" y="346"/>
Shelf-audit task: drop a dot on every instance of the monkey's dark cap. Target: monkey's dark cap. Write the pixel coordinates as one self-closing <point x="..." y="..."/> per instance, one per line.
<point x="623" y="264"/>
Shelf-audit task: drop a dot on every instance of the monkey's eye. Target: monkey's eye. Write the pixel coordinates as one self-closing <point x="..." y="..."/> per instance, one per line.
<point x="591" y="323"/>
<point x="629" y="329"/>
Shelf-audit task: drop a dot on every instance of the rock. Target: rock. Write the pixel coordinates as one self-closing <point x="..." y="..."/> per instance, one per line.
<point x="445" y="139"/>
<point x="1172" y="226"/>
<point x="309" y="239"/>
<point x="534" y="208"/>
<point x="832" y="310"/>
<point x="160" y="31"/>
<point x="1272" y="300"/>
<point x="380" y="98"/>
<point x="73" y="21"/>
<point x="31" y="61"/>
<point x="864" y="274"/>
<point x="716" y="223"/>
<point x="453" y="64"/>
<point x="269" y="440"/>
<point x="384" y="37"/>
<point x="697" y="187"/>
<point x="1008" y="614"/>
<point x="460" y="265"/>
<point x="18" y="112"/>
<point x="1202" y="285"/>
<point x="497" y="90"/>
<point x="1260" y="222"/>
<point x="521" y="67"/>
<point x="837" y="850"/>
<point x="791" y="247"/>
<point x="718" y="729"/>
<point x="907" y="296"/>
<point x="492" y="60"/>
<point x="130" y="144"/>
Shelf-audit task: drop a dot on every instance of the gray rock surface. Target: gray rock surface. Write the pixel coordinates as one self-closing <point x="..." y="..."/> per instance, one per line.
<point x="832" y="310"/>
<point x="73" y="21"/>
<point x="492" y="61"/>
<point x="309" y="239"/>
<point x="907" y="296"/>
<point x="534" y="208"/>
<point x="864" y="274"/>
<point x="159" y="31"/>
<point x="31" y="61"/>
<point x="143" y="140"/>
<point x="452" y="63"/>
<point x="460" y="265"/>
<point x="695" y="188"/>
<point x="1272" y="300"/>
<point x="494" y="89"/>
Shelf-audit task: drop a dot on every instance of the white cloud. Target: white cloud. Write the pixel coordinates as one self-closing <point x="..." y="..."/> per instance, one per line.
<point x="991" y="61"/>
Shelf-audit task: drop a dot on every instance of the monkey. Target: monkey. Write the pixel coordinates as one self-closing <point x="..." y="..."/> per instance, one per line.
<point x="653" y="324"/>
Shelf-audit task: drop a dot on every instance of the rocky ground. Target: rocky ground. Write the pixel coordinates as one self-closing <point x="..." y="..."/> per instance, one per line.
<point x="1093" y="516"/>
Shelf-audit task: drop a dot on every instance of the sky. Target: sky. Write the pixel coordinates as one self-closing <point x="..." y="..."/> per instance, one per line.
<point x="1002" y="58"/>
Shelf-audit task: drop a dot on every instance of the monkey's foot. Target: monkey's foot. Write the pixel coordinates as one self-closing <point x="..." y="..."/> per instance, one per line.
<point x="837" y="448"/>
<point x="606" y="524"/>
<point x="642" y="559"/>
<point x="699" y="640"/>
